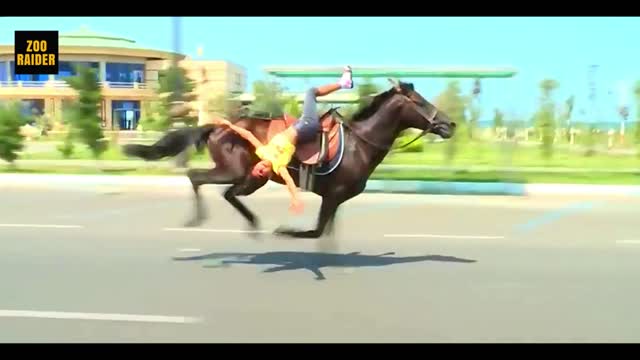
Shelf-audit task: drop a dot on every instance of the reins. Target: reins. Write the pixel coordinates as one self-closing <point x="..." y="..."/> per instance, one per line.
<point x="428" y="117"/>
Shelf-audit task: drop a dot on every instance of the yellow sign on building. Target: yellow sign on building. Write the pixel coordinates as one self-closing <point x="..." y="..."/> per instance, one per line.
<point x="36" y="52"/>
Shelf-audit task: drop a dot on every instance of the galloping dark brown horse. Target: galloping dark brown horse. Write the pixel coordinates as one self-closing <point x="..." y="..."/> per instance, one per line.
<point x="353" y="152"/>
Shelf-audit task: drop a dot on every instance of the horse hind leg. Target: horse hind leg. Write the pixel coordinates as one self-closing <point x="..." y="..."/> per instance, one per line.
<point x="199" y="177"/>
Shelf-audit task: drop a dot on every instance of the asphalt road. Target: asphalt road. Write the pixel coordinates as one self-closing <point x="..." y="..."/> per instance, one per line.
<point x="114" y="265"/>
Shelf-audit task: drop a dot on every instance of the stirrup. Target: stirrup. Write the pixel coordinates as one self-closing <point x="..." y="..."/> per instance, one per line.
<point x="307" y="176"/>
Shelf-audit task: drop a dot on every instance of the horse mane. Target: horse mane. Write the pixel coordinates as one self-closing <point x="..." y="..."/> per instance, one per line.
<point x="366" y="111"/>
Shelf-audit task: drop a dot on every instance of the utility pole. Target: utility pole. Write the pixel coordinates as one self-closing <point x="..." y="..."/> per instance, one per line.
<point x="594" y="108"/>
<point x="595" y="115"/>
<point x="178" y="89"/>
<point x="623" y="109"/>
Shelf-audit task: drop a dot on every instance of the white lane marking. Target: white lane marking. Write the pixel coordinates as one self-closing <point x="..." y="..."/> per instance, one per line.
<point x="50" y="226"/>
<point x="98" y="316"/>
<point x="234" y="231"/>
<point x="628" y="242"/>
<point x="443" y="236"/>
<point x="188" y="250"/>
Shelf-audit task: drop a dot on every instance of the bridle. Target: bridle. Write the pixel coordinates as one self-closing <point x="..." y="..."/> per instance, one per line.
<point x="428" y="117"/>
<point x="421" y="110"/>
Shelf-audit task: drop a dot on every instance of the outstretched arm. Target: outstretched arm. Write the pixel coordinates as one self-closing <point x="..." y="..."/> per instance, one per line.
<point x="246" y="134"/>
<point x="296" y="205"/>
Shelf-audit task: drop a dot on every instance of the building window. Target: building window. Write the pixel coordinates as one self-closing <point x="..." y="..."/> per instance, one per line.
<point x="4" y="75"/>
<point x="126" y="114"/>
<point x="125" y="73"/>
<point x="70" y="68"/>
<point x="31" y="80"/>
<point x="32" y="108"/>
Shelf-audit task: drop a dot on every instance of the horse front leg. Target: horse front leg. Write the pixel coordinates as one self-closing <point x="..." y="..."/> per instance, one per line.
<point x="329" y="243"/>
<point x="248" y="187"/>
<point x="199" y="177"/>
<point x="327" y="212"/>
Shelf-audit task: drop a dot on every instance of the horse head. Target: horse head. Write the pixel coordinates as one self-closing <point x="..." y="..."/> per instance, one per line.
<point x="420" y="113"/>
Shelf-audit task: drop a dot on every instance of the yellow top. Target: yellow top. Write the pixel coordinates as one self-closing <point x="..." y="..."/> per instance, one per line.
<point x="278" y="151"/>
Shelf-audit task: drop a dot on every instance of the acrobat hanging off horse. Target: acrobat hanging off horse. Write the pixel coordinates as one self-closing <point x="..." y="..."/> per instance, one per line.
<point x="278" y="152"/>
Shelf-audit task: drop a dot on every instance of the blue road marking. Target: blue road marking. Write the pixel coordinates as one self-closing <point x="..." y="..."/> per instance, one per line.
<point x="555" y="215"/>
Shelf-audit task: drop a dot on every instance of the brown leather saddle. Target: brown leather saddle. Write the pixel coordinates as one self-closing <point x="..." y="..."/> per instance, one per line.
<point x="313" y="154"/>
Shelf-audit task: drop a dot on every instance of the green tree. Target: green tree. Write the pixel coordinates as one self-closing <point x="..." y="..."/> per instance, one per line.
<point x="156" y="116"/>
<point x="348" y="110"/>
<point x="44" y="123"/>
<point x="175" y="90"/>
<point x="269" y="99"/>
<point x="636" y="92"/>
<point x="11" y="140"/>
<point x="565" y="118"/>
<point x="83" y="112"/>
<point x="636" y="132"/>
<point x="474" y="117"/>
<point x="292" y="107"/>
<point x="67" y="147"/>
<point x="545" y="118"/>
<point x="498" y="119"/>
<point x="590" y="138"/>
<point x="474" y="108"/>
<point x="366" y="90"/>
<point x="452" y="102"/>
<point x="174" y="82"/>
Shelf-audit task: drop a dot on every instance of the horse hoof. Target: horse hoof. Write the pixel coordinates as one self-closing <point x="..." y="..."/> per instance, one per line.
<point x="255" y="234"/>
<point x="310" y="234"/>
<point x="283" y="231"/>
<point x="254" y="230"/>
<point x="193" y="223"/>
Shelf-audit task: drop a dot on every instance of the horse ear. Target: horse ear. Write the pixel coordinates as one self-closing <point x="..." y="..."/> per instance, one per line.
<point x="395" y="84"/>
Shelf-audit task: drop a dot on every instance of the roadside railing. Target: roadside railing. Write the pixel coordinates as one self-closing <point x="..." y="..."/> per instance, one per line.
<point x="64" y="84"/>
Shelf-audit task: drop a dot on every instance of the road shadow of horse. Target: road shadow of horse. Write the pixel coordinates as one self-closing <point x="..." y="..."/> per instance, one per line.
<point x="314" y="261"/>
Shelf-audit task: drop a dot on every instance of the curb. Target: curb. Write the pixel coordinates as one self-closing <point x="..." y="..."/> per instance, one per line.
<point x="373" y="186"/>
<point x="68" y="180"/>
<point x="582" y="189"/>
<point x="509" y="189"/>
<point x="90" y="182"/>
<point x="444" y="187"/>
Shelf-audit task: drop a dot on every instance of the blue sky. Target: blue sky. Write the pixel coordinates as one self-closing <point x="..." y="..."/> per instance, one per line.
<point x="538" y="47"/>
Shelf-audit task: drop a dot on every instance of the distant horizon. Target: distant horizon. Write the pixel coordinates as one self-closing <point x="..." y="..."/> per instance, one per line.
<point x="602" y="125"/>
<point x="562" y="48"/>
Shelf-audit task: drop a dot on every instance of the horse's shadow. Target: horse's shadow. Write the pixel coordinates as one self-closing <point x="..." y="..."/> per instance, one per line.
<point x="314" y="261"/>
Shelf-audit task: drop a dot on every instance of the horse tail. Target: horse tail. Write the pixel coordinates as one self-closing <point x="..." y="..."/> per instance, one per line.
<point x="171" y="144"/>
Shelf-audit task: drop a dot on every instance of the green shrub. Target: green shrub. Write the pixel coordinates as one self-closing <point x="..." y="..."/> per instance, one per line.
<point x="11" y="140"/>
<point x="415" y="147"/>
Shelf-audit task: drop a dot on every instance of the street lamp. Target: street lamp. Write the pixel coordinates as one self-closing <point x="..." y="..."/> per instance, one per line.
<point x="623" y="108"/>
<point x="182" y="159"/>
<point x="201" y="99"/>
<point x="177" y="88"/>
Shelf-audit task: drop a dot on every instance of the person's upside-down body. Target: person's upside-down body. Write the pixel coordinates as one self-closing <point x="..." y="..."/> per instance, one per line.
<point x="276" y="155"/>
